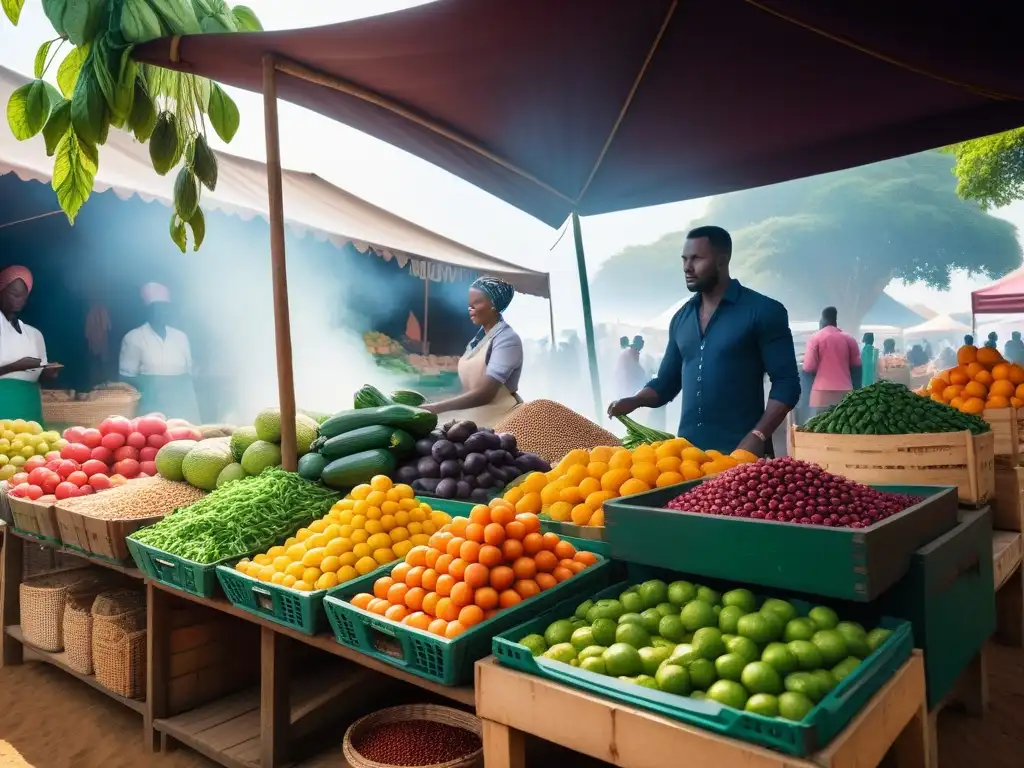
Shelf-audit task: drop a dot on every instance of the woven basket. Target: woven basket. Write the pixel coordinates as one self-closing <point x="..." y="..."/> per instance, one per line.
<point x="5" y="506"/>
<point x="90" y="413"/>
<point x="118" y="602"/>
<point x="42" y="606"/>
<point x="78" y="636"/>
<point x="431" y="712"/>
<point x="119" y="653"/>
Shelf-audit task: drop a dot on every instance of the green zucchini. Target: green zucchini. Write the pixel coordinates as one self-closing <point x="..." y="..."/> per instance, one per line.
<point x="311" y="466"/>
<point x="371" y="397"/>
<point x="408" y="397"/>
<point x="365" y="439"/>
<point x="415" y="421"/>
<point x="350" y="471"/>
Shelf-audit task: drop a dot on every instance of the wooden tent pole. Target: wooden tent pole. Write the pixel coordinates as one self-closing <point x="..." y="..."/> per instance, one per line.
<point x="279" y="272"/>
<point x="588" y="320"/>
<point x="426" y="311"/>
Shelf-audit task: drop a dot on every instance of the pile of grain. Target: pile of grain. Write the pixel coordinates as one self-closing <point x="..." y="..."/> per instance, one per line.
<point x="144" y="497"/>
<point x="551" y="430"/>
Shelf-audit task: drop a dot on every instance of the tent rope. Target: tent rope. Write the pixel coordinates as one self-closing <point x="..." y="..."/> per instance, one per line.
<point x="175" y="52"/>
<point x="30" y="218"/>
<point x="629" y="100"/>
<point x="978" y="90"/>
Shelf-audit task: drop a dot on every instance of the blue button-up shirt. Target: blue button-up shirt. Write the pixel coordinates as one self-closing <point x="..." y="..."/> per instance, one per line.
<point x="721" y="371"/>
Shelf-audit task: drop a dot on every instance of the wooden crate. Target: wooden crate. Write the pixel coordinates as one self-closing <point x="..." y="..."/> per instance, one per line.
<point x="944" y="458"/>
<point x="72" y="529"/>
<point x="1006" y="556"/>
<point x="1008" y="428"/>
<point x="35" y="518"/>
<point x="106" y="537"/>
<point x="1008" y="502"/>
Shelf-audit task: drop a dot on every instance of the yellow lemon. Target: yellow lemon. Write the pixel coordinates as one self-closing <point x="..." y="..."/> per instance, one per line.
<point x="360" y="492"/>
<point x="365" y="565"/>
<point x="346" y="573"/>
<point x="384" y="555"/>
<point x="330" y="564"/>
<point x="313" y="557"/>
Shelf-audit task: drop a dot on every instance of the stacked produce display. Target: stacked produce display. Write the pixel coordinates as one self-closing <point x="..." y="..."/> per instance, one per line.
<point x="25" y="442"/>
<point x="551" y="430"/>
<point x="982" y="379"/>
<point x="765" y="656"/>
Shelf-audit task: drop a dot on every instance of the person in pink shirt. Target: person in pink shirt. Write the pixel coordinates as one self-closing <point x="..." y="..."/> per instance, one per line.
<point x="833" y="357"/>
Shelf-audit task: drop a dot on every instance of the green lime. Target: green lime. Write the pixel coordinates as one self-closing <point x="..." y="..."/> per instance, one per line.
<point x="781" y="658"/>
<point x="781" y="608"/>
<point x="800" y="628"/>
<point x="582" y="608"/>
<point x="672" y="628"/>
<point x="590" y="651"/>
<point x="761" y="677"/>
<point x="577" y="623"/>
<point x="563" y="652"/>
<point x="856" y="638"/>
<point x="756" y="627"/>
<point x="698" y="695"/>
<point x="683" y="654"/>
<point x="730" y="666"/>
<point x="794" y="706"/>
<point x="702" y="674"/>
<point x="681" y="592"/>
<point x="775" y="624"/>
<point x="831" y="645"/>
<point x="574" y="662"/>
<point x="727" y="638"/>
<point x="876" y="637"/>
<point x="593" y="664"/>
<point x="631" y="618"/>
<point x="651" y="658"/>
<point x="653" y="592"/>
<point x="582" y="638"/>
<point x="604" y="631"/>
<point x="805" y="683"/>
<point x="826" y="682"/>
<point x="667" y="609"/>
<point x="745" y="647"/>
<point x="763" y="704"/>
<point x="697" y="614"/>
<point x="709" y="596"/>
<point x="823" y="617"/>
<point x="807" y="654"/>
<point x="728" y="619"/>
<point x="605" y="609"/>
<point x="708" y="643"/>
<point x="729" y="693"/>
<point x="845" y="668"/>
<point x="535" y="643"/>
<point x="741" y="598"/>
<point x="649" y="620"/>
<point x="717" y="609"/>
<point x="622" y="659"/>
<point x="632" y="602"/>
<point x="646" y="681"/>
<point x="673" y="679"/>
<point x="632" y="634"/>
<point x="558" y="632"/>
<point x="662" y="642"/>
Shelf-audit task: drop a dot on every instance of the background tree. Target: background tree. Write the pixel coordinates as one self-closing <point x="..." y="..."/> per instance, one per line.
<point x="837" y="239"/>
<point x="990" y="170"/>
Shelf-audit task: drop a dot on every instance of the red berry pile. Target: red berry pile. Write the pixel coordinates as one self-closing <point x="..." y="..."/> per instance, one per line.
<point x="415" y="742"/>
<point x="791" y="491"/>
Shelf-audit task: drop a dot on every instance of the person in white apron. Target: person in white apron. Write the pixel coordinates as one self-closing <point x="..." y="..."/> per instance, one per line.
<point x="490" y="369"/>
<point x="22" y="350"/>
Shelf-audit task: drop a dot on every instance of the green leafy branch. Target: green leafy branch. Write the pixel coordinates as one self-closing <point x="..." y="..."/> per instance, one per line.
<point x="100" y="86"/>
<point x="990" y="170"/>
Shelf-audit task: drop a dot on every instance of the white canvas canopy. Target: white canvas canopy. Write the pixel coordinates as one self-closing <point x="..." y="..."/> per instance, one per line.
<point x="940" y="325"/>
<point x="310" y="202"/>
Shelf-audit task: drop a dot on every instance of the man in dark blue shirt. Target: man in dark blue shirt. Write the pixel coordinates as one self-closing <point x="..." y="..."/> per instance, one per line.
<point x="721" y="345"/>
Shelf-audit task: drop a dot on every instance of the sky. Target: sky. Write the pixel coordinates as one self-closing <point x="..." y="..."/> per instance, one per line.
<point x="427" y="195"/>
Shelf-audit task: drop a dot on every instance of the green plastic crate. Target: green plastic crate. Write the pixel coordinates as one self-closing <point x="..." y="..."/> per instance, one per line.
<point x="303" y="611"/>
<point x="452" y="507"/>
<point x="828" y="718"/>
<point x="846" y="563"/>
<point x="37" y="537"/>
<point x="596" y="534"/>
<point x="177" y="572"/>
<point x="449" y="662"/>
<point x="948" y="595"/>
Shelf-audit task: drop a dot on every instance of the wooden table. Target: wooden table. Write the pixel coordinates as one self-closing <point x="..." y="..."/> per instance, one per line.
<point x="1008" y="574"/>
<point x="513" y="704"/>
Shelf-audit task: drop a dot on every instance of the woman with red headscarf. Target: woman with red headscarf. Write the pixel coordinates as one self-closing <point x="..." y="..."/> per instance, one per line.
<point x="22" y="350"/>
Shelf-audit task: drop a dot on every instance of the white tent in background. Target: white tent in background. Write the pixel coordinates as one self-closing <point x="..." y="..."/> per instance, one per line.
<point x="310" y="203"/>
<point x="940" y="325"/>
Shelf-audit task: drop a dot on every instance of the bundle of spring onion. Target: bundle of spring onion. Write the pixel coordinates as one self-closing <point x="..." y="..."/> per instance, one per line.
<point x="638" y="434"/>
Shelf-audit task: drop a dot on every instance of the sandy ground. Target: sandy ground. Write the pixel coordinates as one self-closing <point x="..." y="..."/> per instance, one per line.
<point x="49" y="720"/>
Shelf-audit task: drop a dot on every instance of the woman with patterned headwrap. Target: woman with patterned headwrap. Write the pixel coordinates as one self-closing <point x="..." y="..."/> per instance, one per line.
<point x="22" y="350"/>
<point x="489" y="371"/>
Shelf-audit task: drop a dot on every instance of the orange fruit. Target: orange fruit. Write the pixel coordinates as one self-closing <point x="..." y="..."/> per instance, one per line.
<point x="444" y="585"/>
<point x="414" y="578"/>
<point x="968" y="353"/>
<point x="414" y="598"/>
<point x="571" y="495"/>
<point x="490" y="556"/>
<point x="454" y="629"/>
<point x="429" y="579"/>
<point x="597" y="519"/>
<point x="989" y="357"/>
<point x="524" y="568"/>
<point x="439" y="540"/>
<point x="550" y="541"/>
<point x="669" y="464"/>
<point x="438" y="627"/>
<point x="362" y="600"/>
<point x="564" y="549"/>
<point x="475" y="533"/>
<point x="936" y="385"/>
<point x="956" y="402"/>
<point x="476" y="575"/>
<point x="546" y="561"/>
<point x="666" y="479"/>
<point x="587" y="558"/>
<point x="443" y="563"/>
<point x="417" y="556"/>
<point x="381" y="587"/>
<point x="462" y="594"/>
<point x="997" y="401"/>
<point x="515" y="530"/>
<point x="396" y="612"/>
<point x="396" y="594"/>
<point x="973" y="369"/>
<point x="975" y="389"/>
<point x="471" y="615"/>
<point x="984" y="377"/>
<point x="973" y="405"/>
<point x="530" y="503"/>
<point x="581" y="514"/>
<point x="380" y="607"/>
<point x="545" y="581"/>
<point x="512" y="549"/>
<point x="953" y="390"/>
<point x="533" y="543"/>
<point x="959" y="376"/>
<point x="596" y="469"/>
<point x="1001" y="372"/>
<point x="457" y="570"/>
<point x="494" y="534"/>
<point x="1016" y="375"/>
<point x="398" y="573"/>
<point x="575" y="567"/>
<point x="454" y="545"/>
<point x="486" y="598"/>
<point x="502" y="578"/>
<point x="562" y="574"/>
<point x="1019" y="394"/>
<point x="470" y="551"/>
<point x="430" y="601"/>
<point x="480" y="514"/>
<point x="432" y="555"/>
<point x="508" y="598"/>
<point x="527" y="588"/>
<point x="613" y="479"/>
<point x="1002" y="388"/>
<point x="419" y="620"/>
<point x="457" y="527"/>
<point x="497" y="501"/>
<point x="530" y="521"/>
<point x="503" y="515"/>
<point x="645" y="472"/>
<point x="588" y="486"/>
<point x="634" y="485"/>
<point x="490" y="614"/>
<point x="447" y="610"/>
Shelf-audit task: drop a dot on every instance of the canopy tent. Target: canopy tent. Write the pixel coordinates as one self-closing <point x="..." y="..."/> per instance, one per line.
<point x="940" y="325"/>
<point x="311" y="203"/>
<point x="592" y="106"/>
<point x="1004" y="296"/>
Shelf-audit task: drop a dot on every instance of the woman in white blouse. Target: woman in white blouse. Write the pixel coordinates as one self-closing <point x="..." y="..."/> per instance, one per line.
<point x="22" y="350"/>
<point x="156" y="359"/>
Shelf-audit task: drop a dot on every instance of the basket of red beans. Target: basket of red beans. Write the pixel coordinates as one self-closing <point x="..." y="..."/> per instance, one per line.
<point x="420" y="735"/>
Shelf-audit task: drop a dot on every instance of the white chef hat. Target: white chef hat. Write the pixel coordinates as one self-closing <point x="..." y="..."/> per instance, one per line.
<point x="154" y="292"/>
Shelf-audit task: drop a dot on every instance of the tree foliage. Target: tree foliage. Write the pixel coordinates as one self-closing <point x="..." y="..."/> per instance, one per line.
<point x="990" y="170"/>
<point x="836" y="239"/>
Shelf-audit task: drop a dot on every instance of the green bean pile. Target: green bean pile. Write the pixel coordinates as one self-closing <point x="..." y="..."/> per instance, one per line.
<point x="248" y="515"/>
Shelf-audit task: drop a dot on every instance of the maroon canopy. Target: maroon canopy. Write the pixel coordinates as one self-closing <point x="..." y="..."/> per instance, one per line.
<point x="1004" y="296"/>
<point x="737" y="93"/>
